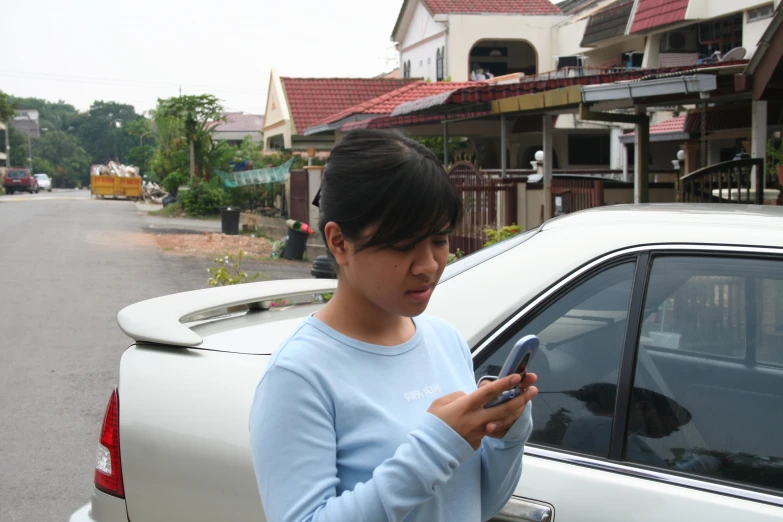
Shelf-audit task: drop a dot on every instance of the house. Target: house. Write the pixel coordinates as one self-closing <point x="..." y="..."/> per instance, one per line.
<point x="236" y="126"/>
<point x="295" y="104"/>
<point x="450" y="39"/>
<point x="26" y="122"/>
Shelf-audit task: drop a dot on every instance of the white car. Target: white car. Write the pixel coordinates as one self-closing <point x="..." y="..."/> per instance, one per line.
<point x="660" y="373"/>
<point x="44" y="181"/>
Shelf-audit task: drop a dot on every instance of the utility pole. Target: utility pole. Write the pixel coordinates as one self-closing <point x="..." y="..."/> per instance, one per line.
<point x="29" y="152"/>
<point x="7" y="147"/>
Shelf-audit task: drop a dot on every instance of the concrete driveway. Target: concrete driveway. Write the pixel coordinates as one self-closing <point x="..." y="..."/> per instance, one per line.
<point x="70" y="263"/>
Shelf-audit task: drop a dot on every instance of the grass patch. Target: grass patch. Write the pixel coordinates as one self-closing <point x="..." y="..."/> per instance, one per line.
<point x="256" y="233"/>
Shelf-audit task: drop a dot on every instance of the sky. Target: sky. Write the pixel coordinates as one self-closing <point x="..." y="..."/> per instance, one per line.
<point x="136" y="52"/>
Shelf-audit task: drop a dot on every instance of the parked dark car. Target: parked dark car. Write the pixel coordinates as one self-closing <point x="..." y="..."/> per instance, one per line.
<point x="18" y="180"/>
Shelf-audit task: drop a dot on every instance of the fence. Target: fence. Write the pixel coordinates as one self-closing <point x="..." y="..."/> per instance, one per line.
<point x="300" y="200"/>
<point x="487" y="202"/>
<point x="737" y="181"/>
<point x="573" y="194"/>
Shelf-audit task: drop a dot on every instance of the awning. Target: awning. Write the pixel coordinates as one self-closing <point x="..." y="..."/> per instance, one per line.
<point x="478" y="97"/>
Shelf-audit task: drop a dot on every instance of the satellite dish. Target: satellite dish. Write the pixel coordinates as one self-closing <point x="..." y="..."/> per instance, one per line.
<point x="738" y="53"/>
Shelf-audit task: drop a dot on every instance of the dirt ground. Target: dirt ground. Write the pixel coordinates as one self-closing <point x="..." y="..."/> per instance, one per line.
<point x="213" y="244"/>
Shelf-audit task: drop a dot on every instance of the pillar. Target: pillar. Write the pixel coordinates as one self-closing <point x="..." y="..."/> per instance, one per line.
<point x="503" y="146"/>
<point x="758" y="127"/>
<point x="641" y="182"/>
<point x="548" y="160"/>
<point x="626" y="173"/>
<point x="445" y="145"/>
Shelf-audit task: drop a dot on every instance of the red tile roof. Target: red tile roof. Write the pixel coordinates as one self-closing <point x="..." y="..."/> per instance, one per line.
<point x="522" y="7"/>
<point x="386" y="103"/>
<point x="676" y="124"/>
<point x="655" y="13"/>
<point x="313" y="99"/>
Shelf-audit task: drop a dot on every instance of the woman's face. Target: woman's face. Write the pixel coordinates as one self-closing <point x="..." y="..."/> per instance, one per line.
<point x="400" y="281"/>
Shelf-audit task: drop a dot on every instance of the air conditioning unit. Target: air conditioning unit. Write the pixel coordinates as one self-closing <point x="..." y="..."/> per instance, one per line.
<point x="680" y="42"/>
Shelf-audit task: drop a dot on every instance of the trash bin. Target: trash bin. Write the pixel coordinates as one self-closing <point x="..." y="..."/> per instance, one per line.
<point x="323" y="268"/>
<point x="229" y="220"/>
<point x="295" y="245"/>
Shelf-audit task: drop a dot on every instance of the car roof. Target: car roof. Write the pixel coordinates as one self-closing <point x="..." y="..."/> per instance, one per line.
<point x="696" y="214"/>
<point x="483" y="294"/>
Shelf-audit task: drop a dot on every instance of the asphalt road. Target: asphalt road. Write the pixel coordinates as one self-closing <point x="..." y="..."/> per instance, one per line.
<point x="68" y="264"/>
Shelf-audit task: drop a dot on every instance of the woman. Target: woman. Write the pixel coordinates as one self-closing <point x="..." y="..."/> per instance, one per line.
<point x="369" y="411"/>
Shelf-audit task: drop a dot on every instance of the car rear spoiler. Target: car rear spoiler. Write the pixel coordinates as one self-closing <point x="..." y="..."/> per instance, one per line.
<point x="159" y="320"/>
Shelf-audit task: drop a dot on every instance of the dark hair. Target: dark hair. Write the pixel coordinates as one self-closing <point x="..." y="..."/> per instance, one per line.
<point x="387" y="180"/>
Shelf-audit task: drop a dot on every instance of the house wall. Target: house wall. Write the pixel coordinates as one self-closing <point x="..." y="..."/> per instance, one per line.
<point x="277" y="119"/>
<point x="752" y="33"/>
<point x="560" y="144"/>
<point x="236" y="136"/>
<point x="566" y="39"/>
<point x="604" y="55"/>
<point x="423" y="58"/>
<point x="466" y="30"/>
<point x="705" y="9"/>
<point x="422" y="39"/>
<point x="421" y="27"/>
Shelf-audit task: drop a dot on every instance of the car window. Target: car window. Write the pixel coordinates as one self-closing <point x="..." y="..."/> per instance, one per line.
<point x="582" y="335"/>
<point x="17" y="174"/>
<point x="708" y="385"/>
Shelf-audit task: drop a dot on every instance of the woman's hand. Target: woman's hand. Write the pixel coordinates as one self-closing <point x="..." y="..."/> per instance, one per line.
<point x="498" y="429"/>
<point x="465" y="413"/>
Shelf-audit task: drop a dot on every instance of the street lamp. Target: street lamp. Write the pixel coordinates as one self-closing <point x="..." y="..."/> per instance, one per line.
<point x="678" y="165"/>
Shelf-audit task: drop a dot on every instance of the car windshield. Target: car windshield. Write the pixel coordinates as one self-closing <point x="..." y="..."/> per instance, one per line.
<point x="480" y="256"/>
<point x="17" y="174"/>
<point x="43" y="177"/>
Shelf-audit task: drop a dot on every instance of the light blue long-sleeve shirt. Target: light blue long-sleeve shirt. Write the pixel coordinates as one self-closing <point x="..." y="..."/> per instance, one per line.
<point x="339" y="431"/>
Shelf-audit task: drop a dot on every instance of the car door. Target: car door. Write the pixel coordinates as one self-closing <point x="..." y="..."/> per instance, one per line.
<point x="602" y="446"/>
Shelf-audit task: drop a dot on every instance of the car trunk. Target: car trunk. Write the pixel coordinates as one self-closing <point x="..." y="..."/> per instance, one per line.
<point x="184" y="437"/>
<point x="184" y="434"/>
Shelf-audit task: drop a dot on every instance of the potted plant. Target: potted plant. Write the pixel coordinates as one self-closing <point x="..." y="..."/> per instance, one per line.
<point x="775" y="159"/>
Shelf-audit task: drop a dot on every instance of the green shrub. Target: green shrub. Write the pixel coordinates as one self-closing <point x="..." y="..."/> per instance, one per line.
<point x="229" y="271"/>
<point x="496" y="236"/>
<point x="204" y="198"/>
<point x="174" y="180"/>
<point x="455" y="256"/>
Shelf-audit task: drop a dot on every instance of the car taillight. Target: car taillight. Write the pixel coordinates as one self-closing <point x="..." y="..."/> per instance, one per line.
<point x="108" y="466"/>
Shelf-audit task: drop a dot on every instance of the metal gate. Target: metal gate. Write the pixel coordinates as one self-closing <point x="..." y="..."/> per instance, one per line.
<point x="486" y="203"/>
<point x="300" y="197"/>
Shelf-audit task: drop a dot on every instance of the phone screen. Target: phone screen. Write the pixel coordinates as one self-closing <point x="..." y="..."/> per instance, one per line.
<point x="522" y="368"/>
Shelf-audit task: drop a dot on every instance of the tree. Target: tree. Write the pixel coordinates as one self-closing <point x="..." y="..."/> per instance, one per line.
<point x="59" y="154"/>
<point x="18" y="146"/>
<point x="197" y="114"/>
<point x="141" y="157"/>
<point x="7" y="111"/>
<point x="142" y="128"/>
<point x="103" y="130"/>
<point x="7" y="107"/>
<point x="51" y="115"/>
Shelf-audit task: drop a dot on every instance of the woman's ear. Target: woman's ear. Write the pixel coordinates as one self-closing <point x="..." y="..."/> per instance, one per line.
<point x="336" y="243"/>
